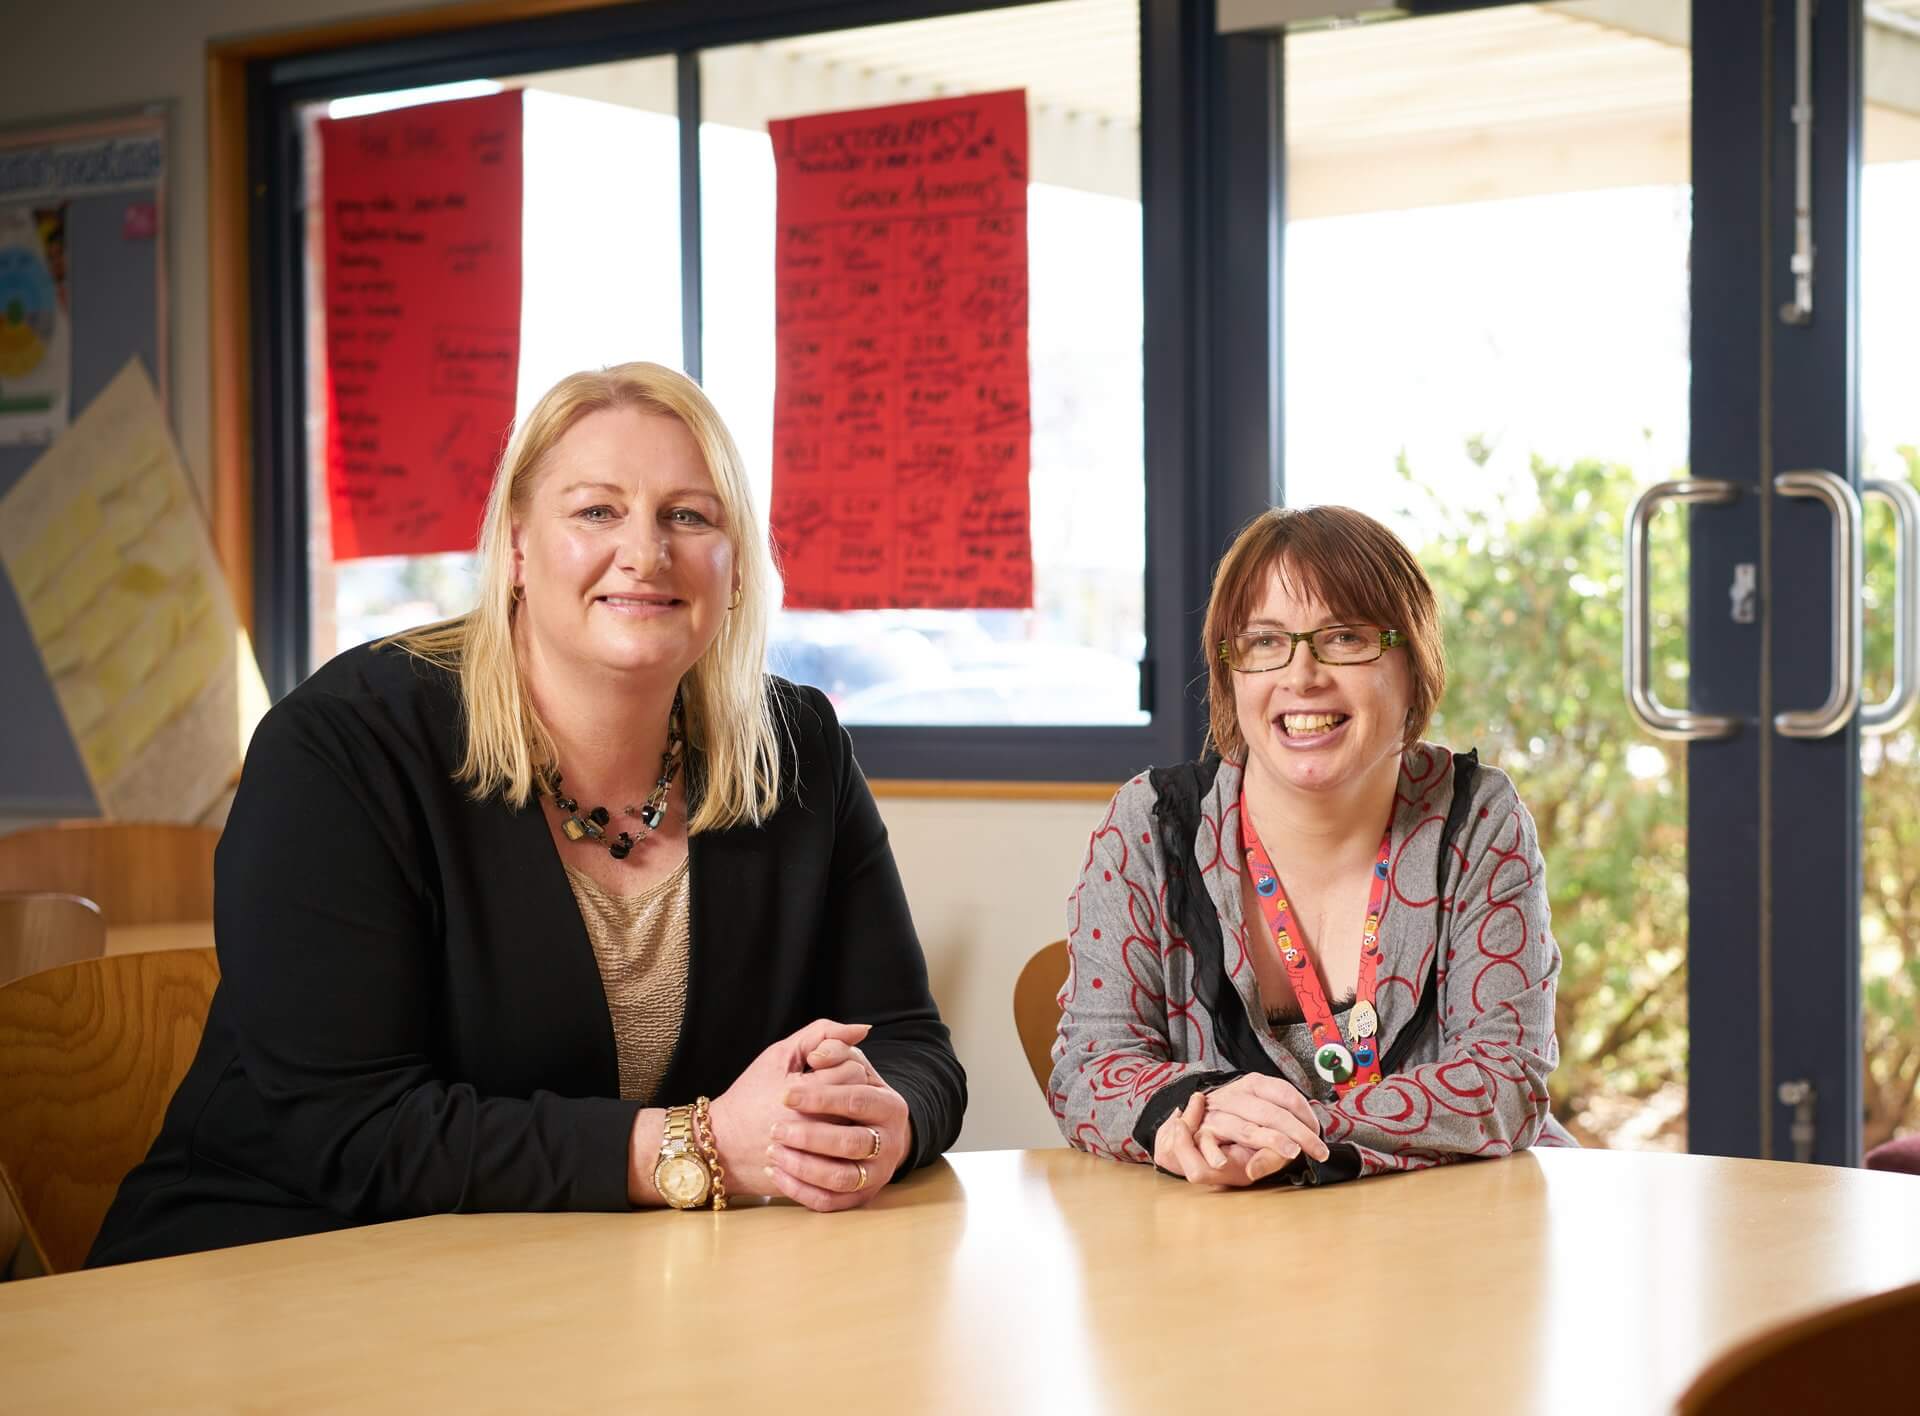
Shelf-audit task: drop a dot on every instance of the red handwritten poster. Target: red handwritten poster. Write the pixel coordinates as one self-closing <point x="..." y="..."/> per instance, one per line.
<point x="421" y="211"/>
<point x="901" y="412"/>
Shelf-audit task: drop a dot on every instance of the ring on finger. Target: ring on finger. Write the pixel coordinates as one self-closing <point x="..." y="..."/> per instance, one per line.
<point x="861" y="1166"/>
<point x="874" y="1154"/>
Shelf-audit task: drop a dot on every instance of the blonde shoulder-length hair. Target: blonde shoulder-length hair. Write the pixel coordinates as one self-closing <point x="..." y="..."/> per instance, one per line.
<point x="729" y="712"/>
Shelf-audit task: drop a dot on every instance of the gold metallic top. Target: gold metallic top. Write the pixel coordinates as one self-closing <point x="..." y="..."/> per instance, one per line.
<point x="642" y="943"/>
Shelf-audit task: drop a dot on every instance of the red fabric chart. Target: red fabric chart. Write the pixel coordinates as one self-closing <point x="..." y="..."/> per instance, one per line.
<point x="902" y="419"/>
<point x="421" y="213"/>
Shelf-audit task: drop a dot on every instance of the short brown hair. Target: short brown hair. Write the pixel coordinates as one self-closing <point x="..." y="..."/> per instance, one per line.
<point x="1353" y="565"/>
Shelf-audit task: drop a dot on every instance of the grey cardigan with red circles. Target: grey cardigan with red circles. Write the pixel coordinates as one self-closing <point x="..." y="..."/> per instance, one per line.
<point x="1161" y="1000"/>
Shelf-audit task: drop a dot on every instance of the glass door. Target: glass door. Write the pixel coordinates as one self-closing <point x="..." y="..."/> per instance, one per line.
<point x="1549" y="268"/>
<point x="1486" y="330"/>
<point x="1890" y="459"/>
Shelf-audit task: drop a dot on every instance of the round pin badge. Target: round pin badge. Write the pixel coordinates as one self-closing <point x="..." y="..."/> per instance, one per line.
<point x="1363" y="1021"/>
<point x="1334" y="1063"/>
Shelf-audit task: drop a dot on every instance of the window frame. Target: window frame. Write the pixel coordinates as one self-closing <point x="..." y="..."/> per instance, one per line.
<point x="1211" y="146"/>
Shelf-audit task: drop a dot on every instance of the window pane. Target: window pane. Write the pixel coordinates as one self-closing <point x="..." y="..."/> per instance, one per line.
<point x="600" y="284"/>
<point x="1074" y="657"/>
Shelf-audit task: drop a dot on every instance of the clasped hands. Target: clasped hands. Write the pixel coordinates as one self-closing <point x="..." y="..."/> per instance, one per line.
<point x="812" y="1120"/>
<point x="1239" y="1133"/>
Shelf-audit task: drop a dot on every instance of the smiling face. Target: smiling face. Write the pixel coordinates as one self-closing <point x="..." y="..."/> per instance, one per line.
<point x="622" y="550"/>
<point x="1319" y="728"/>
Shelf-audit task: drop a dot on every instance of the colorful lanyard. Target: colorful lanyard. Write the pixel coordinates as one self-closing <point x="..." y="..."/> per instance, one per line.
<point x="1356" y="1062"/>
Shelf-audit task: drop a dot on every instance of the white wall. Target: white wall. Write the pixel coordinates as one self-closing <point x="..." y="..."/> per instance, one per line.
<point x="988" y="880"/>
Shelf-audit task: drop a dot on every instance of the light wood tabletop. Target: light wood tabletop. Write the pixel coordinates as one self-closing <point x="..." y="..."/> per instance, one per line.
<point x="1556" y="1281"/>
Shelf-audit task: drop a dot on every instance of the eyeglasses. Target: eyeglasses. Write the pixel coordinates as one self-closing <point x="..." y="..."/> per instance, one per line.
<point x="1260" y="651"/>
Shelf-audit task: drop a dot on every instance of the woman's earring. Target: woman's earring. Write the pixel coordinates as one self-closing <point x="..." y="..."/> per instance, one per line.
<point x="735" y="603"/>
<point x="517" y="594"/>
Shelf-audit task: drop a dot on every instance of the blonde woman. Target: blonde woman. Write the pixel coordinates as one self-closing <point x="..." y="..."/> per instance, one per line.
<point x="561" y="905"/>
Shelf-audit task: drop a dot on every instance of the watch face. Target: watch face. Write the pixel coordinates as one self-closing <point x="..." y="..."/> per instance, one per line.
<point x="681" y="1180"/>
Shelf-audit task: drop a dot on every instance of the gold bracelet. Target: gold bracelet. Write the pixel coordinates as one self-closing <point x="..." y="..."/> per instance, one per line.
<point x="703" y="1128"/>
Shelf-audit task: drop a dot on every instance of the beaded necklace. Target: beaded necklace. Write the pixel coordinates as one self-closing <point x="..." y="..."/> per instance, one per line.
<point x="592" y="825"/>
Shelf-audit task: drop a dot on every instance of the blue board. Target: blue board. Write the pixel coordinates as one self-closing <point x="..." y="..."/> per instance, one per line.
<point x="115" y="301"/>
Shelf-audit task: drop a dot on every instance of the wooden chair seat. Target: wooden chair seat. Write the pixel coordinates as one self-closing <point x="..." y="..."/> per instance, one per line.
<point x="90" y="1055"/>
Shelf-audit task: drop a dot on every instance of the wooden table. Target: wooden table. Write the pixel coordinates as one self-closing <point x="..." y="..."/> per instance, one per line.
<point x="141" y="938"/>
<point x="1002" y="1281"/>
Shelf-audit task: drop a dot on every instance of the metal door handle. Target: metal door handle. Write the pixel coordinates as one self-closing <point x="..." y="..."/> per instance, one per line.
<point x="1675" y="724"/>
<point x="1843" y="691"/>
<point x="1891" y="713"/>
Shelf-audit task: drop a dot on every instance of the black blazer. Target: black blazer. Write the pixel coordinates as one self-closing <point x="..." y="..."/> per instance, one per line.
<point x="410" y="1019"/>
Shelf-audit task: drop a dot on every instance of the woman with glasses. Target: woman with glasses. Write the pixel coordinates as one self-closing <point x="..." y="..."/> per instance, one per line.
<point x="1322" y="950"/>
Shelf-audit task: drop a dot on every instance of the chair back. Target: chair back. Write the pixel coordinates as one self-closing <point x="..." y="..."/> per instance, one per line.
<point x="1855" y="1357"/>
<point x="1036" y="1007"/>
<point x="1901" y="1154"/>
<point x="43" y="931"/>
<point x="90" y="1055"/>
<point x="137" y="872"/>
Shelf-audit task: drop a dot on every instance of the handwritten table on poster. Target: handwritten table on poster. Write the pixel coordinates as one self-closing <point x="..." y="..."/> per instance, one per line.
<point x="902" y="418"/>
<point x="422" y="286"/>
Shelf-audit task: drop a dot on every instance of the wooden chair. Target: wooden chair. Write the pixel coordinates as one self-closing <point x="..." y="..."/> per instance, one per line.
<point x="1901" y="1154"/>
<point x="1036" y="1007"/>
<point x="90" y="1054"/>
<point x="39" y="931"/>
<point x="1855" y="1357"/>
<point x="137" y="872"/>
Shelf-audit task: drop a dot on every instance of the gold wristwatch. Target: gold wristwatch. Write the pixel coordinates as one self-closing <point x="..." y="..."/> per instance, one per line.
<point x="681" y="1174"/>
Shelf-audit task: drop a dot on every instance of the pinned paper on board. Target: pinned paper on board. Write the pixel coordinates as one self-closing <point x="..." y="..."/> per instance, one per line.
<point x="902" y="417"/>
<point x="49" y="178"/>
<point x="110" y="558"/>
<point x="421" y="278"/>
<point x="36" y="340"/>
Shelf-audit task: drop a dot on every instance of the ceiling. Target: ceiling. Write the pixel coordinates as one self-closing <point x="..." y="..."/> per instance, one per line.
<point x="1511" y="63"/>
<point x="1079" y="56"/>
<point x="1510" y="100"/>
